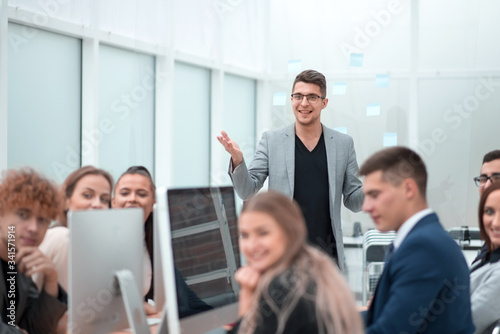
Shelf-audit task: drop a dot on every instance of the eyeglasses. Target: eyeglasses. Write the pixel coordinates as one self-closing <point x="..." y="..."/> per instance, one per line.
<point x="310" y="98"/>
<point x="482" y="179"/>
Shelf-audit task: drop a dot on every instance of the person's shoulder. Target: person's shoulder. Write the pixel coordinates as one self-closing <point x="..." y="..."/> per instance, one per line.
<point x="59" y="229"/>
<point x="57" y="232"/>
<point x="430" y="227"/>
<point x="55" y="237"/>
<point x="287" y="280"/>
<point x="283" y="289"/>
<point x="429" y="236"/>
<point x="282" y="282"/>
<point x="493" y="272"/>
<point x="491" y="269"/>
<point x="427" y="229"/>
<point x="289" y="129"/>
<point x="493" y="263"/>
<point x="336" y="135"/>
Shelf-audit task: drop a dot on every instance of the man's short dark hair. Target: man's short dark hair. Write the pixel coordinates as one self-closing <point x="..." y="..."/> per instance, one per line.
<point x="312" y="77"/>
<point x="490" y="156"/>
<point x="397" y="164"/>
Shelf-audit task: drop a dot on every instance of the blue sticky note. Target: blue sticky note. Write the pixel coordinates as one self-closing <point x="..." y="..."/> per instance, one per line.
<point x="373" y="109"/>
<point x="339" y="88"/>
<point x="341" y="129"/>
<point x="390" y="139"/>
<point x="294" y="66"/>
<point x="356" y="60"/>
<point x="382" y="80"/>
<point x="279" y="99"/>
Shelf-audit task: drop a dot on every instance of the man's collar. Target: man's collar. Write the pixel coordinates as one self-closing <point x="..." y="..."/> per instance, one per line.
<point x="408" y="226"/>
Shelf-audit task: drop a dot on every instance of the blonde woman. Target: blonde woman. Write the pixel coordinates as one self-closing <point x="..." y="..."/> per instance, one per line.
<point x="288" y="286"/>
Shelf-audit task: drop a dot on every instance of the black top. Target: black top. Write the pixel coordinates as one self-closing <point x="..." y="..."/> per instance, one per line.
<point x="148" y="238"/>
<point x="10" y="297"/>
<point x="188" y="303"/>
<point x="302" y="318"/>
<point x="481" y="253"/>
<point x="36" y="311"/>
<point x="488" y="257"/>
<point x="313" y="195"/>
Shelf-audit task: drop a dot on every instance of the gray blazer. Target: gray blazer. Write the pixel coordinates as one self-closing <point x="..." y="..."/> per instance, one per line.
<point x="484" y="293"/>
<point x="275" y="158"/>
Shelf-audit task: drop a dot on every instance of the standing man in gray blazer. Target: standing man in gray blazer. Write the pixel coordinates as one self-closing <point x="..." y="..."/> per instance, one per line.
<point x="306" y="161"/>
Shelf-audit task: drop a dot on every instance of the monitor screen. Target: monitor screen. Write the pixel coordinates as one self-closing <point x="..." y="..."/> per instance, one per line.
<point x="202" y="256"/>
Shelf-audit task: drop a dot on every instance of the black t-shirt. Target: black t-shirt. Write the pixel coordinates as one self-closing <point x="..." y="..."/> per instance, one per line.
<point x="10" y="297"/>
<point x="313" y="195"/>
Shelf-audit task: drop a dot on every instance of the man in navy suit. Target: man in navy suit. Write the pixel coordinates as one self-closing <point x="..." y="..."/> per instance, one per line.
<point x="424" y="287"/>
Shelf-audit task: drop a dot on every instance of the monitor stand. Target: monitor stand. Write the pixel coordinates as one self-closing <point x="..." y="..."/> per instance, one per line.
<point x="163" y="326"/>
<point x="132" y="301"/>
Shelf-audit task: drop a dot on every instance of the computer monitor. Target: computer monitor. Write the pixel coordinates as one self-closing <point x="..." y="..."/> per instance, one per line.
<point x="105" y="271"/>
<point x="196" y="257"/>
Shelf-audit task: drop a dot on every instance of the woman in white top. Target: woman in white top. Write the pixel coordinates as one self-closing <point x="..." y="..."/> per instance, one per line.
<point x="87" y="188"/>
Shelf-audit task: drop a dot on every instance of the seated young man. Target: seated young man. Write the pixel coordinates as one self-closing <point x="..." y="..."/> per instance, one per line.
<point x="28" y="202"/>
<point x="424" y="287"/>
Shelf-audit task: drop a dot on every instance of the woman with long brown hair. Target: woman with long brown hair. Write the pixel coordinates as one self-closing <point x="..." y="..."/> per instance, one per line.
<point x="485" y="274"/>
<point x="288" y="286"/>
<point x="87" y="188"/>
<point x="135" y="189"/>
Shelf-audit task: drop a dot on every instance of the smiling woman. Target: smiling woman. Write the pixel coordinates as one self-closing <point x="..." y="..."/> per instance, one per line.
<point x="261" y="240"/>
<point x="288" y="286"/>
<point x="87" y="188"/>
<point x="485" y="275"/>
<point x="135" y="189"/>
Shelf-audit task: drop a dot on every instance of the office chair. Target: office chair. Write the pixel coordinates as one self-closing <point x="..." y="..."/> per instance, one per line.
<point x="374" y="246"/>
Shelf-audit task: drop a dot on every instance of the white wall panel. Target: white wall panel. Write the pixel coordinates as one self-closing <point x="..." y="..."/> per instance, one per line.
<point x="191" y="143"/>
<point x="126" y="110"/>
<point x="44" y="101"/>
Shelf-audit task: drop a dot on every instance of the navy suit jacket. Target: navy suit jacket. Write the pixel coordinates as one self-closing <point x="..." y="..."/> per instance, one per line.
<point x="424" y="287"/>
